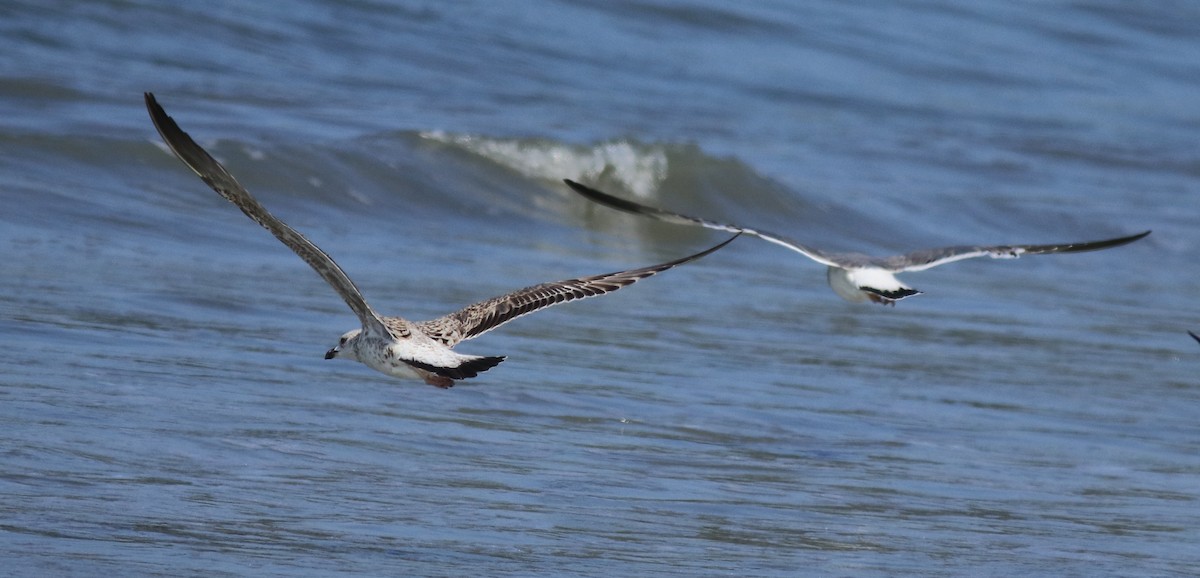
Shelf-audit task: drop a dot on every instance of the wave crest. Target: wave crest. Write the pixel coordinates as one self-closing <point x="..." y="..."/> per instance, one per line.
<point x="639" y="168"/>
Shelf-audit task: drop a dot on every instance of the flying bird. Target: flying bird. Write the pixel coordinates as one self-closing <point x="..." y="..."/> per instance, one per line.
<point x="394" y="345"/>
<point x="853" y="276"/>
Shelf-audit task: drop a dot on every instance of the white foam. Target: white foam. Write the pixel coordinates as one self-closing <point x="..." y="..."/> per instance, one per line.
<point x="639" y="168"/>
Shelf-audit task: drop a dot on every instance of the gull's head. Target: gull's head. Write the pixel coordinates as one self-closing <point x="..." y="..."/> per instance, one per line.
<point x="345" y="347"/>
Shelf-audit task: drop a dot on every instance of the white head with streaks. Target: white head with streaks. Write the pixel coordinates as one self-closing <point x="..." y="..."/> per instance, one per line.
<point x="346" y="347"/>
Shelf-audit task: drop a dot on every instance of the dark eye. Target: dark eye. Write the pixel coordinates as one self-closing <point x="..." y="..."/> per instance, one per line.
<point x="342" y="341"/>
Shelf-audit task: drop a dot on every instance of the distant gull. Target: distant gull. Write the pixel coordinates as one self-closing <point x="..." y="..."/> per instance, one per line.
<point x="854" y="276"/>
<point x="394" y="345"/>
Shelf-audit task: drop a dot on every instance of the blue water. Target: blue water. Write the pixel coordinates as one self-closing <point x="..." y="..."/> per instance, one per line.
<point x="166" y="410"/>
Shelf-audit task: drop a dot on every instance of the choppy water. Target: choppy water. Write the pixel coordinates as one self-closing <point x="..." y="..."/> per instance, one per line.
<point x="165" y="409"/>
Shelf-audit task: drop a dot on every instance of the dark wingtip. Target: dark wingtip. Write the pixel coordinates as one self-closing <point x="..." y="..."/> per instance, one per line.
<point x="152" y="105"/>
<point x="1133" y="238"/>
<point x="162" y="121"/>
<point x="1081" y="247"/>
<point x="655" y="269"/>
<point x="714" y="248"/>
<point x="1194" y="336"/>
<point x="586" y="190"/>
<point x="611" y="201"/>
<point x="1114" y="242"/>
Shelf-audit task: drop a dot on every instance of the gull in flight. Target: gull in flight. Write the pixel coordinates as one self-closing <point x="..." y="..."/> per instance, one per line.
<point x="853" y="276"/>
<point x="394" y="345"/>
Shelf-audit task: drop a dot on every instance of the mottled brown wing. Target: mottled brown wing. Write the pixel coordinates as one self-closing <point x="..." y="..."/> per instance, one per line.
<point x="216" y="176"/>
<point x="475" y="320"/>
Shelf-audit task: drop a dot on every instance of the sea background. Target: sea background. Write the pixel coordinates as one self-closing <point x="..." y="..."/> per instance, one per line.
<point x="165" y="409"/>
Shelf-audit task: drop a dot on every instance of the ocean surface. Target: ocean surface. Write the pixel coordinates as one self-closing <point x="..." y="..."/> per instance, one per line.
<point x="165" y="409"/>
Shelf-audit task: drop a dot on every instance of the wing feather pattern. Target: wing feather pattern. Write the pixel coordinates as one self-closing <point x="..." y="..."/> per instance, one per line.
<point x="915" y="261"/>
<point x="921" y="260"/>
<point x="620" y="204"/>
<point x="216" y="176"/>
<point x="479" y="318"/>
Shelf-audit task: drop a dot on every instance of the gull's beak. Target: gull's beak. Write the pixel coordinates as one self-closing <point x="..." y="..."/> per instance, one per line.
<point x="332" y="353"/>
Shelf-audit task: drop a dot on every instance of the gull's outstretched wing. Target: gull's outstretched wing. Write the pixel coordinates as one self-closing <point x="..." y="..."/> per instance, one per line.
<point x="475" y="320"/>
<point x="822" y="257"/>
<point x="921" y="260"/>
<point x="216" y="176"/>
<point x="915" y="261"/>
